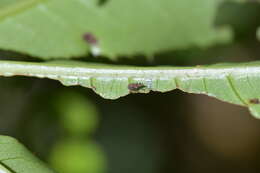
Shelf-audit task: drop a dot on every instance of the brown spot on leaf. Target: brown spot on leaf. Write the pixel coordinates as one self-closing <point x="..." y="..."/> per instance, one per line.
<point x="254" y="101"/>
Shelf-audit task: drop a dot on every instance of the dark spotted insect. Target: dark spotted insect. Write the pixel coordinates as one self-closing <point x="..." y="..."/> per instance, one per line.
<point x="135" y="87"/>
<point x="93" y="42"/>
<point x="90" y="38"/>
<point x="254" y="101"/>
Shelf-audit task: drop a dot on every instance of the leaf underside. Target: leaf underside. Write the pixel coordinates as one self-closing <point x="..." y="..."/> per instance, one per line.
<point x="233" y="83"/>
<point x="55" y="28"/>
<point x="15" y="158"/>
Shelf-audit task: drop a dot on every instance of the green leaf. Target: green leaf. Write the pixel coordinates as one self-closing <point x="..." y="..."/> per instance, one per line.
<point x="55" y="28"/>
<point x="15" y="158"/>
<point x="233" y="83"/>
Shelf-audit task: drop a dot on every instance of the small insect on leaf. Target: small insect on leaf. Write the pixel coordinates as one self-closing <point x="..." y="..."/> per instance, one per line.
<point x="254" y="101"/>
<point x="90" y="38"/>
<point x="135" y="87"/>
<point x="93" y="42"/>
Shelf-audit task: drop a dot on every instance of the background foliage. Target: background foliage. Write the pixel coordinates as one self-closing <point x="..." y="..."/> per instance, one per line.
<point x="74" y="130"/>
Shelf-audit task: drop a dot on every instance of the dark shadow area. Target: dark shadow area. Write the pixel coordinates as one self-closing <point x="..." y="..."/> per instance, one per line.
<point x="153" y="133"/>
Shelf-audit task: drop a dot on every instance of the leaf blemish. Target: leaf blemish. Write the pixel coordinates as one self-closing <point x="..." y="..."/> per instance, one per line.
<point x="254" y="101"/>
<point x="135" y="87"/>
<point x="93" y="42"/>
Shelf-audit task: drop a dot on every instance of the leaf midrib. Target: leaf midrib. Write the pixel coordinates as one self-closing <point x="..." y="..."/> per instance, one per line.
<point x="18" y="7"/>
<point x="10" y="68"/>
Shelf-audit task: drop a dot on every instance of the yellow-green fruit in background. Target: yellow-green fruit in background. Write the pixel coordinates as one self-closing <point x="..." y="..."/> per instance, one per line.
<point x="77" y="156"/>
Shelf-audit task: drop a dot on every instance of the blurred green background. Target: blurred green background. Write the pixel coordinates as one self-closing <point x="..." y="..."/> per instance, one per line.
<point x="76" y="131"/>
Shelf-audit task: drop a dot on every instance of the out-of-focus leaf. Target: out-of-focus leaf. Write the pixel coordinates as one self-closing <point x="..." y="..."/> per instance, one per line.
<point x="15" y="158"/>
<point x="8" y="7"/>
<point x="55" y="28"/>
